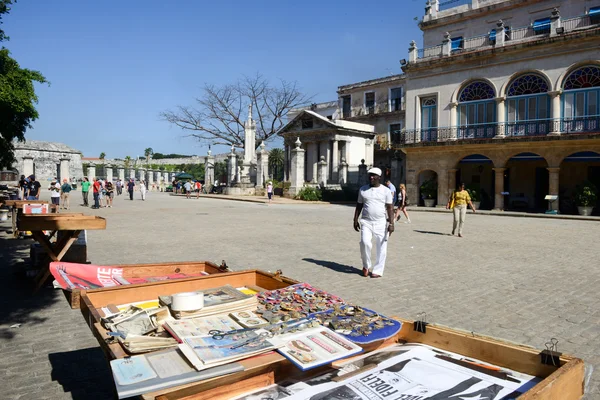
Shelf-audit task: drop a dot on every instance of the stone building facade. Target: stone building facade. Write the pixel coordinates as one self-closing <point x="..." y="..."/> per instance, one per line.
<point x="47" y="160"/>
<point x="505" y="97"/>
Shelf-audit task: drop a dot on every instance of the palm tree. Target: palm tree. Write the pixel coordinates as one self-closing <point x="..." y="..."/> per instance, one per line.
<point x="127" y="161"/>
<point x="148" y="152"/>
<point x="102" y="155"/>
<point x="276" y="159"/>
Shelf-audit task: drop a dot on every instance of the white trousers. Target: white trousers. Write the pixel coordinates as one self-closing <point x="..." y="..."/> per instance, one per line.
<point x="143" y="193"/>
<point x="378" y="229"/>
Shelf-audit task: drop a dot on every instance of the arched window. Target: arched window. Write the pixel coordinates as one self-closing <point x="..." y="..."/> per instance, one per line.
<point x="581" y="94"/>
<point x="476" y="111"/>
<point x="528" y="106"/>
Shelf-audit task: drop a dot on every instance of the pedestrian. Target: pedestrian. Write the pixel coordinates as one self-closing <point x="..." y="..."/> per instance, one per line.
<point x="143" y="189"/>
<point x="130" y="187"/>
<point x="119" y="186"/>
<point x="162" y="185"/>
<point x="96" y="188"/>
<point x="402" y="204"/>
<point x="23" y="187"/>
<point x="85" y="191"/>
<point x="178" y="186"/>
<point x="110" y="192"/>
<point x="54" y="189"/>
<point x="65" y="193"/>
<point x="270" y="191"/>
<point x="458" y="203"/>
<point x="102" y="195"/>
<point x="388" y="183"/>
<point x="198" y="188"/>
<point x="33" y="188"/>
<point x="187" y="187"/>
<point x="376" y="211"/>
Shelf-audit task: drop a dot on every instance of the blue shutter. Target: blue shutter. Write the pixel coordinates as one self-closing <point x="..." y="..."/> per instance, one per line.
<point x="595" y="11"/>
<point x="457" y="43"/>
<point x="492" y="35"/>
<point x="541" y="25"/>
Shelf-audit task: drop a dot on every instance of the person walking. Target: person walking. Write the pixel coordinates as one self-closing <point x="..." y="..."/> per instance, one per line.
<point x="402" y="204"/>
<point x="33" y="188"/>
<point x="119" y="186"/>
<point x="54" y="189"/>
<point x="85" y="191"/>
<point x="96" y="188"/>
<point x="65" y="193"/>
<point x="102" y="195"/>
<point x="110" y="193"/>
<point x="388" y="183"/>
<point x="187" y="186"/>
<point x="376" y="211"/>
<point x="458" y="203"/>
<point x="198" y="188"/>
<point x="143" y="190"/>
<point x="23" y="187"/>
<point x="270" y="191"/>
<point x="130" y="187"/>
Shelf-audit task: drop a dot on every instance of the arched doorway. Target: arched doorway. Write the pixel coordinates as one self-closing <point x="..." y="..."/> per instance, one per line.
<point x="575" y="169"/>
<point x="581" y="102"/>
<point x="428" y="187"/>
<point x="476" y="172"/>
<point x="526" y="180"/>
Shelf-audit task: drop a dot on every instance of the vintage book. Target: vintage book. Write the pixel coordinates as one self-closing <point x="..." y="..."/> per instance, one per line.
<point x="144" y="344"/>
<point x="205" y="352"/>
<point x="314" y="347"/>
<point x="200" y="326"/>
<point x="171" y="369"/>
<point x="214" y="296"/>
<point x="130" y="370"/>
<point x="249" y="319"/>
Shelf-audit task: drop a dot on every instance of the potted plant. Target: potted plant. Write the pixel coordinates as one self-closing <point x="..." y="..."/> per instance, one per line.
<point x="429" y="192"/>
<point x="586" y="196"/>
<point x="475" y="197"/>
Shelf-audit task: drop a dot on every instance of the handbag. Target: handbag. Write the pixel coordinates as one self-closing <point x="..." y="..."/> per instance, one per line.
<point x="452" y="201"/>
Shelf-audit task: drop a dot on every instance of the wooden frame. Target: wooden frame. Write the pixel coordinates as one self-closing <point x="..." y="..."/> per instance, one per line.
<point x="564" y="382"/>
<point x="147" y="270"/>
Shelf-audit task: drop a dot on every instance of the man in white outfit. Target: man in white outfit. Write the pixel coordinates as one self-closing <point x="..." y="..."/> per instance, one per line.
<point x="376" y="210"/>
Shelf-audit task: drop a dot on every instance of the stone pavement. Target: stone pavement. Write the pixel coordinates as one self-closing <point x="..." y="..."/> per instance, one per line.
<point x="520" y="279"/>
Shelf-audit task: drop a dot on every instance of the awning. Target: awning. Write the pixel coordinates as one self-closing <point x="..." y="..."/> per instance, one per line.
<point x="457" y="43"/>
<point x="541" y="24"/>
<point x="492" y="35"/>
<point x="594" y="11"/>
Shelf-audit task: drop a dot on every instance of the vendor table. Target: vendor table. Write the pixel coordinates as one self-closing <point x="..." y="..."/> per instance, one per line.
<point x="16" y="206"/>
<point x="69" y="226"/>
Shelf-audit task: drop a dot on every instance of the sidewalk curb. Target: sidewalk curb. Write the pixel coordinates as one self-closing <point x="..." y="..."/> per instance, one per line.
<point x="508" y="214"/>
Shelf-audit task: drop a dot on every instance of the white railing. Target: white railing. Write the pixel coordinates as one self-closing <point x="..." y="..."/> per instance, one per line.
<point x="476" y="42"/>
<point x="571" y="24"/>
<point x="522" y="33"/>
<point x="433" y="51"/>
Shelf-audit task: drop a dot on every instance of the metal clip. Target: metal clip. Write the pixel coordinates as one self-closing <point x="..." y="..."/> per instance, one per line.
<point x="420" y="325"/>
<point x="551" y="356"/>
<point x="223" y="267"/>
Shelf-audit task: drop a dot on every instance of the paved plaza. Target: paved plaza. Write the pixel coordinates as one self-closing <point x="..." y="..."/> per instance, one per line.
<point x="521" y="279"/>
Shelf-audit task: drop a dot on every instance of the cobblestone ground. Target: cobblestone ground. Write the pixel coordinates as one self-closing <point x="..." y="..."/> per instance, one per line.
<point x="521" y="279"/>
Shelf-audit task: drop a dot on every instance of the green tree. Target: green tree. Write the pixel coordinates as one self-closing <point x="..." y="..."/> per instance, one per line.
<point x="102" y="155"/>
<point x="17" y="98"/>
<point x="276" y="160"/>
<point x="148" y="152"/>
<point x="127" y="161"/>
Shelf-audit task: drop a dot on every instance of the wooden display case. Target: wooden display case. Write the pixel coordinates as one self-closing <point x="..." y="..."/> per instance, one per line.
<point x="564" y="382"/>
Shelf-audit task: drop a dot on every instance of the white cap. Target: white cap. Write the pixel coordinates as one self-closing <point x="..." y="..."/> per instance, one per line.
<point x="375" y="171"/>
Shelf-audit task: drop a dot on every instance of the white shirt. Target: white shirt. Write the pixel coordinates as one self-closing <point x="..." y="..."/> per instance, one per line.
<point x="56" y="192"/>
<point x="374" y="200"/>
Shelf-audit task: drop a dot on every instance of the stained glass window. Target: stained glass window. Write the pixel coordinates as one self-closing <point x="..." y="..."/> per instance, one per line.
<point x="429" y="102"/>
<point x="527" y="84"/>
<point x="582" y="78"/>
<point x="476" y="91"/>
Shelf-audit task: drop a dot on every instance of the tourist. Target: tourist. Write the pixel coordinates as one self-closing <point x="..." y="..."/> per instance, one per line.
<point x="54" y="189"/>
<point x="187" y="186"/>
<point x="162" y="185"/>
<point x="119" y="186"/>
<point x="96" y="188"/>
<point x="198" y="188"/>
<point x="376" y="211"/>
<point x="102" y="195"/>
<point x="85" y="191"/>
<point x="33" y="188"/>
<point x="110" y="192"/>
<point x="388" y="183"/>
<point x="270" y="191"/>
<point x="23" y="187"/>
<point x="402" y="204"/>
<point x="458" y="203"/>
<point x="143" y="189"/>
<point x="65" y="193"/>
<point x="130" y="187"/>
<point x="178" y="186"/>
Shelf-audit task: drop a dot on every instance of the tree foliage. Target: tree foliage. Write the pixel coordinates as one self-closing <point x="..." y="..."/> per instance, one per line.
<point x="219" y="115"/>
<point x="160" y="156"/>
<point x="102" y="155"/>
<point x="276" y="160"/>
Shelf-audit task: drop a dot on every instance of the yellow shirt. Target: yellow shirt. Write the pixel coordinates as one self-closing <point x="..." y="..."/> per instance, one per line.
<point x="461" y="198"/>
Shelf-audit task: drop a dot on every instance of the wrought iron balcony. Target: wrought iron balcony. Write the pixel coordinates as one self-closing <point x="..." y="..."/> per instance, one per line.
<point x="529" y="128"/>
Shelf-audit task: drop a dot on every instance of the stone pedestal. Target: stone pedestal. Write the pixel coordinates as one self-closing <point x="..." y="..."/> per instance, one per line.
<point x="150" y="180"/>
<point x="121" y="172"/>
<point x="142" y="175"/>
<point x="28" y="168"/>
<point x="91" y="172"/>
<point x="109" y="172"/>
<point x="245" y="174"/>
<point x="363" y="179"/>
<point x="343" y="172"/>
<point x="131" y="173"/>
<point x="157" y="175"/>
<point x="209" y="169"/>
<point x="322" y="172"/>
<point x="262" y="166"/>
<point x="166" y="178"/>
<point x="64" y="169"/>
<point x="297" y="169"/>
<point x="232" y="170"/>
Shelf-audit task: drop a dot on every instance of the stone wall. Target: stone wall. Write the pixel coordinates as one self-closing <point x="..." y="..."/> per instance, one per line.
<point x="46" y="160"/>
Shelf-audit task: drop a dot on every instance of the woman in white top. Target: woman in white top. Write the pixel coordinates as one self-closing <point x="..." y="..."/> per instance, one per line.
<point x="143" y="189"/>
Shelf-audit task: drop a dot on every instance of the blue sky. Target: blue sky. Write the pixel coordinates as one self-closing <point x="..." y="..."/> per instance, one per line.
<point x="114" y="66"/>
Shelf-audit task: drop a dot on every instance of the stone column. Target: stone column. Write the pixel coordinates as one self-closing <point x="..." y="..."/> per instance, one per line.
<point x="131" y="173"/>
<point x="142" y="175"/>
<point x="500" y="117"/>
<point x="232" y="167"/>
<point x="28" y="166"/>
<point x="322" y="172"/>
<point x="209" y="169"/>
<point x="453" y="123"/>
<point x="91" y="172"/>
<point x="109" y="172"/>
<point x="158" y="176"/>
<point x="262" y="165"/>
<point x="324" y="156"/>
<point x="555" y="22"/>
<point x="413" y="53"/>
<point x="297" y="169"/>
<point x="363" y="179"/>
<point x="166" y="178"/>
<point x="150" y="178"/>
<point x="369" y="152"/>
<point x="500" y="33"/>
<point x="286" y="163"/>
<point x="553" y="185"/>
<point x="446" y="45"/>
<point x="396" y="178"/>
<point x="121" y="172"/>
<point x="343" y="172"/>
<point x="555" y="125"/>
<point x="499" y="189"/>
<point x="450" y="187"/>
<point x="64" y="169"/>
<point x="334" y="161"/>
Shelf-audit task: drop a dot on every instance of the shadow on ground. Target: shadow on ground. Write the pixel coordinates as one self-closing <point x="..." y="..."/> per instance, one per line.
<point x="432" y="233"/>
<point x="18" y="301"/>
<point x="83" y="373"/>
<point x="346" y="269"/>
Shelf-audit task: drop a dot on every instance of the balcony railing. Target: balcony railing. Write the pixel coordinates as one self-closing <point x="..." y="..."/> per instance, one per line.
<point x="448" y="4"/>
<point x="379" y="108"/>
<point x="529" y="128"/>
